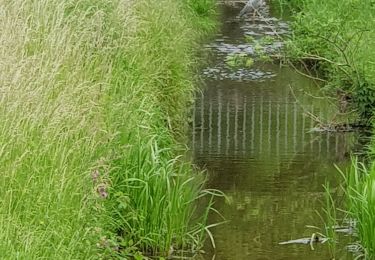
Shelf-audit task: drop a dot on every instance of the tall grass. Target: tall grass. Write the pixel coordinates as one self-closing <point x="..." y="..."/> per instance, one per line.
<point x="93" y="95"/>
<point x="360" y="197"/>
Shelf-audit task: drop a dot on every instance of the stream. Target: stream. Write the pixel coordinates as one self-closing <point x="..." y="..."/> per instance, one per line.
<point x="251" y="132"/>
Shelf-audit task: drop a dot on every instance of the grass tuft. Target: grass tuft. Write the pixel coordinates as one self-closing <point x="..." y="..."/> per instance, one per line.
<point x="360" y="193"/>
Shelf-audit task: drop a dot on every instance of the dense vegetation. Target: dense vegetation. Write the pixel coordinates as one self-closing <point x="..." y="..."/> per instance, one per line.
<point x="335" y="38"/>
<point x="93" y="97"/>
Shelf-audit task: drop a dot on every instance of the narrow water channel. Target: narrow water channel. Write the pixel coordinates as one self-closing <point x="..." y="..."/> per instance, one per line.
<point x="252" y="134"/>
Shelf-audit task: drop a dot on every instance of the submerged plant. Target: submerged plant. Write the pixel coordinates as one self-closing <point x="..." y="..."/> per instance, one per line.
<point x="237" y="60"/>
<point x="266" y="40"/>
<point x="249" y="39"/>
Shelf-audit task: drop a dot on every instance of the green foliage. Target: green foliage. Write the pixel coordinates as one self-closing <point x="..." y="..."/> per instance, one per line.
<point x="236" y="60"/>
<point x="202" y="7"/>
<point x="359" y="191"/>
<point x="152" y="199"/>
<point x="93" y="97"/>
<point x="365" y="100"/>
<point x="242" y="59"/>
<point x="335" y="39"/>
<point x="203" y="13"/>
<point x="249" y="39"/>
<point x="267" y="40"/>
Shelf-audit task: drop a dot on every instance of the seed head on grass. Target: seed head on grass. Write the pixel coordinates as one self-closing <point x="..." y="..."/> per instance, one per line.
<point x="95" y="176"/>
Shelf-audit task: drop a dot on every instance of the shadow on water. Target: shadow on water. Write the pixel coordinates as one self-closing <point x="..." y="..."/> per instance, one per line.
<point x="254" y="139"/>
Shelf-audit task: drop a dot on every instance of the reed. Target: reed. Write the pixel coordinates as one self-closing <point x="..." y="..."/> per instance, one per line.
<point x="360" y="194"/>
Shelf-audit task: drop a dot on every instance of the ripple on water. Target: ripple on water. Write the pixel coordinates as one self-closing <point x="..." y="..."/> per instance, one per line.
<point x="240" y="74"/>
<point x="254" y="140"/>
<point x="224" y="46"/>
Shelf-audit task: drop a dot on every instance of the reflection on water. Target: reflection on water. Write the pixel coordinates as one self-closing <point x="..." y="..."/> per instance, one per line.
<point x="255" y="141"/>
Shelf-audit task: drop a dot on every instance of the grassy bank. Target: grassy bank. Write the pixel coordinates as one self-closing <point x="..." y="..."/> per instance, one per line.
<point x="334" y="38"/>
<point x="93" y="98"/>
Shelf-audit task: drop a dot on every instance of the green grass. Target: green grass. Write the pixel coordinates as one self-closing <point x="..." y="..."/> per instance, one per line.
<point x="335" y="38"/>
<point x="359" y="190"/>
<point x="93" y="98"/>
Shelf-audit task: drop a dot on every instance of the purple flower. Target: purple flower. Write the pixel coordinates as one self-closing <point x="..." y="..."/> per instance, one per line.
<point x="102" y="191"/>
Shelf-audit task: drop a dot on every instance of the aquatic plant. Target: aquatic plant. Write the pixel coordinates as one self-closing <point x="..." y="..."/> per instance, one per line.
<point x="236" y="60"/>
<point x="93" y="98"/>
<point x="360" y="195"/>
<point x="244" y="60"/>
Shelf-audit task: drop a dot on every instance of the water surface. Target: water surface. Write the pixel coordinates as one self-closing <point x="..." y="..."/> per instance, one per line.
<point x="252" y="132"/>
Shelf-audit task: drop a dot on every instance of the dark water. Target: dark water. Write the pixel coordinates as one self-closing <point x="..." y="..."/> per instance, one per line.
<point x="252" y="134"/>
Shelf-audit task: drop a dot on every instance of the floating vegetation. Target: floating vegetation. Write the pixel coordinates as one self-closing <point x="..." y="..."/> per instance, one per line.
<point x="238" y="74"/>
<point x="239" y="60"/>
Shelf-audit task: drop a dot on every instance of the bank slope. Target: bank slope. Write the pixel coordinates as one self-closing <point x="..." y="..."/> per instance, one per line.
<point x="93" y="96"/>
